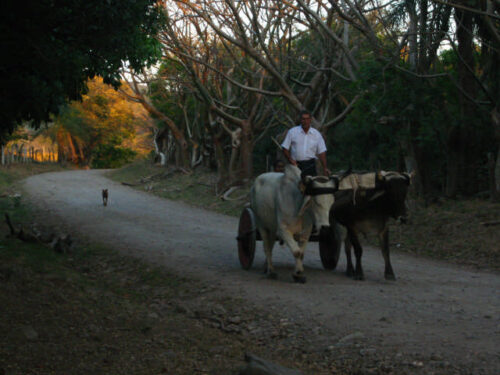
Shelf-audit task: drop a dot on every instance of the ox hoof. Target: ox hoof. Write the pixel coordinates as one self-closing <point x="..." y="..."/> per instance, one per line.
<point x="390" y="276"/>
<point x="349" y="272"/>
<point x="299" y="278"/>
<point x="359" y="277"/>
<point x="272" y="275"/>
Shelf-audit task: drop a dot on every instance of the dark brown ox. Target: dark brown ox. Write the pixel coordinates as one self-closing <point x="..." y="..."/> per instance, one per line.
<point x="368" y="210"/>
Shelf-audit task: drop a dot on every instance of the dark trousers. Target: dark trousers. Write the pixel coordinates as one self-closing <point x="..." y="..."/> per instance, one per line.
<point x="308" y="167"/>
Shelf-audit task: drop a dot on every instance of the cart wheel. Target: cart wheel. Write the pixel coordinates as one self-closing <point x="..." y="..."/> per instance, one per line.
<point x="246" y="238"/>
<point x="329" y="247"/>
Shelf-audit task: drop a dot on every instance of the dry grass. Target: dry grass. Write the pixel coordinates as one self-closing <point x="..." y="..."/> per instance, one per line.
<point x="197" y="188"/>
<point x="457" y="231"/>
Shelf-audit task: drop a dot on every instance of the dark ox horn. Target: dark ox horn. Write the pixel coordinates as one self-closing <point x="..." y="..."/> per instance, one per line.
<point x="343" y="175"/>
<point x="336" y="180"/>
<point x="346" y="172"/>
<point x="407" y="177"/>
<point x="303" y="177"/>
<point x="379" y="176"/>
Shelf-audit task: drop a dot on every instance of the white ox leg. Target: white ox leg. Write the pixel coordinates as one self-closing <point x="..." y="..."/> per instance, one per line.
<point x="268" y="240"/>
<point x="297" y="251"/>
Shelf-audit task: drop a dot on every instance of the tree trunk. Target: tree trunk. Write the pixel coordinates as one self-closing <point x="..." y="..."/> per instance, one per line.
<point x="60" y="154"/>
<point x="420" y="180"/>
<point x="196" y="156"/>
<point x="246" y="152"/>
<point x="495" y="194"/>
<point x="72" y="149"/>
<point x="183" y="153"/>
<point x="159" y="151"/>
<point x="452" y="172"/>
<point x="15" y="153"/>
<point x="232" y="163"/>
<point x="466" y="151"/>
<point x="220" y="159"/>
<point x="82" y="158"/>
<point x="178" y="135"/>
<point x="412" y="37"/>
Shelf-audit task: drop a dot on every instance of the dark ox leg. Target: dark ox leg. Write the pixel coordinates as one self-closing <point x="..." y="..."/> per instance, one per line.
<point x="384" y="245"/>
<point x="358" y="252"/>
<point x="347" y="248"/>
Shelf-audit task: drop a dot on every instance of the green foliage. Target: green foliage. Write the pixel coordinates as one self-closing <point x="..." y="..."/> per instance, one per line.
<point x="111" y="155"/>
<point x="53" y="47"/>
<point x="72" y="119"/>
<point x="398" y="109"/>
<point x="372" y="134"/>
<point x="6" y="180"/>
<point x="376" y="126"/>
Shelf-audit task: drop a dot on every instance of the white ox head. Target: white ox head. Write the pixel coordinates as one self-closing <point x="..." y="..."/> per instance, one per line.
<point x="318" y="197"/>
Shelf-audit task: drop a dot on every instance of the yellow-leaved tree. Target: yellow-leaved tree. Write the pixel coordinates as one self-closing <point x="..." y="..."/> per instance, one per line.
<point x="104" y="130"/>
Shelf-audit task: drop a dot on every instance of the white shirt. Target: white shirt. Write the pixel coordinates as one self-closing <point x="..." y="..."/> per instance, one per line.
<point x="302" y="145"/>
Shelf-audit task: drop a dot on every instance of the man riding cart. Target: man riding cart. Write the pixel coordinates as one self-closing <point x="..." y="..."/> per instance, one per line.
<point x="286" y="206"/>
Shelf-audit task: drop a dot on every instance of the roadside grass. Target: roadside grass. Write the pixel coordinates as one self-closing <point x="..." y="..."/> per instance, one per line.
<point x="10" y="192"/>
<point x="197" y="189"/>
<point x="461" y="231"/>
<point x="36" y="257"/>
<point x="11" y="173"/>
<point x="452" y="230"/>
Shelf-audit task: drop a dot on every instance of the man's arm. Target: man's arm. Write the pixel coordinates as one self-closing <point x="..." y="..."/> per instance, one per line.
<point x="285" y="146"/>
<point x="322" y="159"/>
<point x="288" y="156"/>
<point x="321" y="152"/>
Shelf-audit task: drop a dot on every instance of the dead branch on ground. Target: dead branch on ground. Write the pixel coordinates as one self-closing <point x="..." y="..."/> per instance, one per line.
<point x="60" y="243"/>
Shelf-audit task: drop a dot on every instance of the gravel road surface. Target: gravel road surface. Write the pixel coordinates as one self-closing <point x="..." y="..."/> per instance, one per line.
<point x="434" y="310"/>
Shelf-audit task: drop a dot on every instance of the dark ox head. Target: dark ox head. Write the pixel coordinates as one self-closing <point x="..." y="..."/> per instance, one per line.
<point x="394" y="188"/>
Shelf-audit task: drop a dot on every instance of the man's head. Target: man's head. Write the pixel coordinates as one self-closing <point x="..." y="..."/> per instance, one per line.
<point x="305" y="119"/>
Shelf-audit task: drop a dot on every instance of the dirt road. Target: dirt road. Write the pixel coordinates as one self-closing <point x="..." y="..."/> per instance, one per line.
<point x="434" y="311"/>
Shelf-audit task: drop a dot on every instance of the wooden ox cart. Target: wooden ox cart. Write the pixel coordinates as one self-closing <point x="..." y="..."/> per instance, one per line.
<point x="358" y="185"/>
<point x="248" y="234"/>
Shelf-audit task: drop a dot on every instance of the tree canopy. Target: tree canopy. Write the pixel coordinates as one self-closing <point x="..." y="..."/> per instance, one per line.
<point x="100" y="130"/>
<point x="52" y="47"/>
<point x="400" y="84"/>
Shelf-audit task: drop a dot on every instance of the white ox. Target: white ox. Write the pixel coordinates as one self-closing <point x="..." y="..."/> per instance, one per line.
<point x="287" y="205"/>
